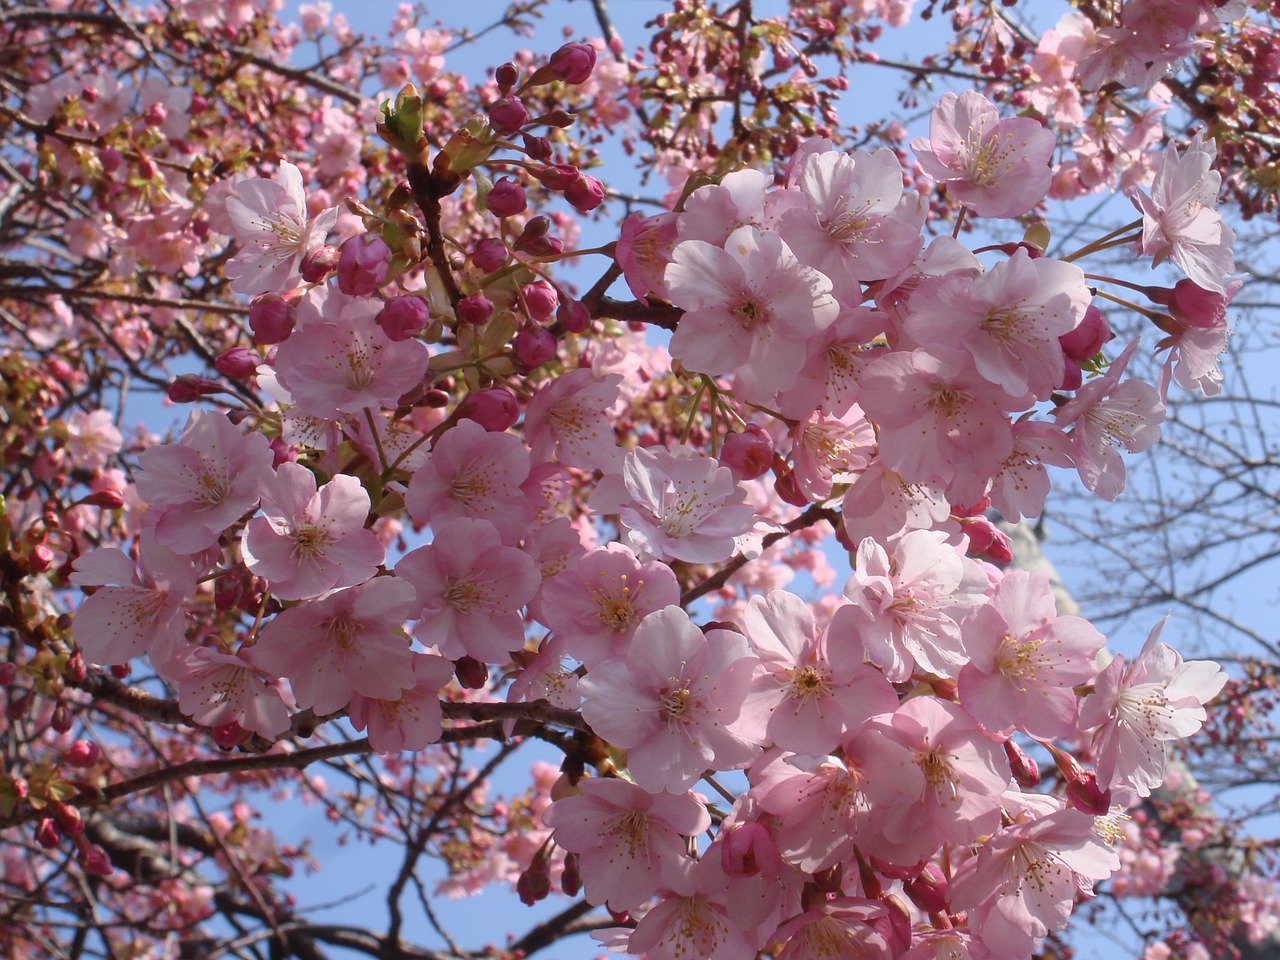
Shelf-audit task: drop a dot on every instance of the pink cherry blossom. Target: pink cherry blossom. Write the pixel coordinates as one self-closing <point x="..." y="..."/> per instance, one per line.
<point x="595" y="607"/>
<point x="905" y="609"/>
<point x="830" y="450"/>
<point x="880" y="504"/>
<point x="672" y="699"/>
<point x="216" y="689"/>
<point x="807" y="690"/>
<point x="630" y="841"/>
<point x="1020" y="487"/>
<point x="345" y="362"/>
<point x="681" y="505"/>
<point x="854" y="227"/>
<point x="1008" y="319"/>
<point x="693" y="915"/>
<point x="749" y="310"/>
<point x="1024" y="881"/>
<point x="1137" y="707"/>
<point x="198" y="487"/>
<point x="92" y="438"/>
<point x="411" y="721"/>
<point x="714" y="212"/>
<point x="270" y="218"/>
<point x="841" y="927"/>
<point x="344" y="642"/>
<point x="996" y="168"/>
<point x="1024" y="660"/>
<point x="476" y="473"/>
<point x="644" y="250"/>
<point x="470" y="590"/>
<point x="1179" y="219"/>
<point x="568" y="417"/>
<point x="1106" y="414"/>
<point x="136" y="609"/>
<point x="311" y="539"/>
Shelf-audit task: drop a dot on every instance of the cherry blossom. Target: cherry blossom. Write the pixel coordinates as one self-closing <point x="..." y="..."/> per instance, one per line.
<point x="412" y="719"/>
<point x="270" y="218"/>
<point x="311" y="539"/>
<point x="997" y="168"/>
<point x="198" y="487"/>
<point x="672" y="699"/>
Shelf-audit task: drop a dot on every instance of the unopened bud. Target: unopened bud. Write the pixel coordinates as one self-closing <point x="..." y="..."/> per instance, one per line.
<point x="532" y="347"/>
<point x="557" y="176"/>
<point x="106" y="499"/>
<point x="282" y="452"/>
<point x="586" y="193"/>
<point x="76" y="669"/>
<point x="363" y="262"/>
<point x="61" y="720"/>
<point x="506" y="76"/>
<point x="538" y="148"/>
<point x="238" y="363"/>
<point x="188" y="388"/>
<point x="489" y="255"/>
<point x="986" y="540"/>
<point x="495" y="409"/>
<point x="508" y="115"/>
<point x="573" y="316"/>
<point x="472" y="674"/>
<point x="404" y="317"/>
<point x="533" y="885"/>
<point x="507" y="198"/>
<point x="1088" y="337"/>
<point x="319" y="263"/>
<point x="95" y="862"/>
<point x="573" y="62"/>
<point x="230" y="735"/>
<point x="748" y="454"/>
<point x="571" y="875"/>
<point x="540" y="299"/>
<point x="39" y="558"/>
<point x="474" y="309"/>
<point x="1025" y="770"/>
<point x="68" y="818"/>
<point x="83" y="754"/>
<point x="748" y="850"/>
<point x="928" y="889"/>
<point x="47" y="833"/>
<point x="788" y="490"/>
<point x="272" y="319"/>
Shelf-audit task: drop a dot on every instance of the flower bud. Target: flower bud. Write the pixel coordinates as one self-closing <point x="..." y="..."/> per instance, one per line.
<point x="282" y="452"/>
<point x="538" y="148"/>
<point x="532" y="347"/>
<point x="61" y="719"/>
<point x="106" y="499"/>
<point x="111" y="159"/>
<point x="318" y="263"/>
<point x="476" y="308"/>
<point x="788" y="490"/>
<point x="47" y="833"/>
<point x="227" y="591"/>
<point x="571" y="875"/>
<point x="586" y="193"/>
<point x="928" y="889"/>
<point x="83" y="754"/>
<point x="533" y="885"/>
<point x="1196" y="306"/>
<point x="1083" y="791"/>
<point x="540" y="299"/>
<point x="39" y="558"/>
<point x="188" y="388"/>
<point x="506" y="76"/>
<point x="1072" y="375"/>
<point x="506" y="199"/>
<point x="272" y="318"/>
<point x="1086" y="339"/>
<point x="471" y="673"/>
<point x="76" y="669"/>
<point x="155" y="114"/>
<point x="489" y="255"/>
<point x="573" y="316"/>
<point x="68" y="818"/>
<point x="986" y="540"/>
<point x="508" y="115"/>
<point x="495" y="409"/>
<point x="574" y="62"/>
<point x="749" y="850"/>
<point x="238" y="363"/>
<point x="403" y="317"/>
<point x="363" y="262"/>
<point x="557" y="176"/>
<point x="229" y="735"/>
<point x="120" y="670"/>
<point x="1025" y="770"/>
<point x="748" y="454"/>
<point x="95" y="862"/>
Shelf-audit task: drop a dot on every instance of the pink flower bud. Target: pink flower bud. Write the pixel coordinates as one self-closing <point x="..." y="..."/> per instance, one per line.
<point x="83" y="754"/>
<point x="1196" y="306"/>
<point x="403" y="317"/>
<point x="489" y="255"/>
<point x="68" y="818"/>
<point x="986" y="540"/>
<point x="928" y="889"/>
<point x="532" y="347"/>
<point x="95" y="862"/>
<point x="230" y="735"/>
<point x="573" y="316"/>
<point x="471" y="673"/>
<point x="542" y="247"/>
<point x="540" y="299"/>
<point x="106" y="499"/>
<point x="1083" y="791"/>
<point x="788" y="490"/>
<point x="586" y="193"/>
<point x="495" y="409"/>
<point x="748" y="454"/>
<point x="972" y="510"/>
<point x="39" y="558"/>
<point x="1072" y="375"/>
<point x="17" y="787"/>
<point x="188" y="388"/>
<point x="508" y="115"/>
<point x="574" y="62"/>
<point x="272" y="319"/>
<point x="318" y="263"/>
<point x="506" y="199"/>
<point x="476" y="308"/>
<point x="120" y="670"/>
<point x="362" y="265"/>
<point x="47" y="833"/>
<point x="227" y="590"/>
<point x="282" y="452"/>
<point x="76" y="669"/>
<point x="749" y="850"/>
<point x="8" y="670"/>
<point x="538" y="148"/>
<point x="557" y="176"/>
<point x="571" y="875"/>
<point x="1025" y="770"/>
<point x="111" y="160"/>
<point x="238" y="363"/>
<point x="61" y="719"/>
<point x="533" y="885"/>
<point x="1087" y="339"/>
<point x="506" y="76"/>
<point x="155" y="114"/>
